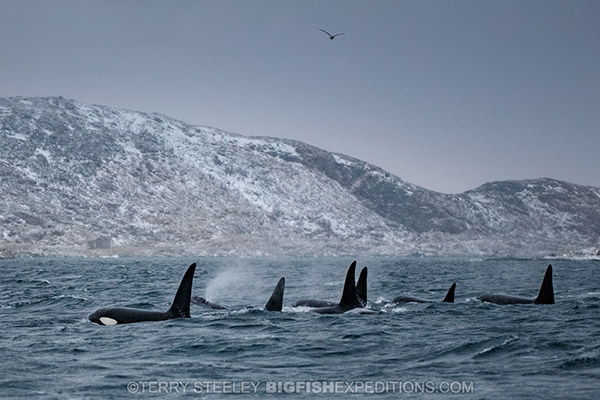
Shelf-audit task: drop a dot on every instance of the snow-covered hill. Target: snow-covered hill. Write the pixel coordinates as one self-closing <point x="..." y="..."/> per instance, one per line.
<point x="83" y="179"/>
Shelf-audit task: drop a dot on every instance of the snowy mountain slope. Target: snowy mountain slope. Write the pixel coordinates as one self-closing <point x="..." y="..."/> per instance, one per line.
<point x="82" y="179"/>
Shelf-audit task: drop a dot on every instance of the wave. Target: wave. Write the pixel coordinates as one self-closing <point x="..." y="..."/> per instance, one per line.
<point x="477" y="349"/>
<point x="63" y="300"/>
<point x="498" y="348"/>
<point x="580" y="363"/>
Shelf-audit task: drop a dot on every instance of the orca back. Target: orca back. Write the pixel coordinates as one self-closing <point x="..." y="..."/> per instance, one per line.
<point x="503" y="299"/>
<point x="408" y="299"/>
<point x="450" y="295"/>
<point x="275" y="303"/>
<point x="314" y="303"/>
<point x="180" y="308"/>
<point x="546" y="294"/>
<point x="349" y="299"/>
<point x="202" y="302"/>
<point x="361" y="287"/>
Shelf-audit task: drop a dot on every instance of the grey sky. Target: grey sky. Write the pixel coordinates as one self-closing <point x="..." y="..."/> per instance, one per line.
<point x="445" y="94"/>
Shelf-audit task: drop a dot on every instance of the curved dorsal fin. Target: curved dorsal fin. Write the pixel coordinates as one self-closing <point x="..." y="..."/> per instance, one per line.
<point x="546" y="294"/>
<point x="349" y="299"/>
<point x="181" y="303"/>
<point x="275" y="303"/>
<point x="450" y="295"/>
<point x="361" y="286"/>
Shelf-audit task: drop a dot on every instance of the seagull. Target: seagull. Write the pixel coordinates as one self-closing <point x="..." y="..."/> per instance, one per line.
<point x="331" y="37"/>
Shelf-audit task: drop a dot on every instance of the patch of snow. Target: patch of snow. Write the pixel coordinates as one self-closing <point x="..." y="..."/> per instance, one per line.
<point x="128" y="147"/>
<point x="341" y="161"/>
<point x="277" y="146"/>
<point x="18" y="136"/>
<point x="45" y="153"/>
<point x="28" y="172"/>
<point x="377" y="173"/>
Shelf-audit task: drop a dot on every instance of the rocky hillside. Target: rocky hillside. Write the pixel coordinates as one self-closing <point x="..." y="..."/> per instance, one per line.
<point x="83" y="179"/>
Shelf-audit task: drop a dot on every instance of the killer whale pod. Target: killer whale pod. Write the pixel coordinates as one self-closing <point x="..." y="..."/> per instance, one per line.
<point x="349" y="300"/>
<point x="361" y="293"/>
<point x="180" y="308"/>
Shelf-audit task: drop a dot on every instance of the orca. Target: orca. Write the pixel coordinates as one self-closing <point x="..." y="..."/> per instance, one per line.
<point x="275" y="303"/>
<point x="361" y="287"/>
<point x="545" y="295"/>
<point x="408" y="299"/>
<point x="202" y="302"/>
<point x="361" y="293"/>
<point x="314" y="303"/>
<point x="180" y="308"/>
<point x="349" y="300"/>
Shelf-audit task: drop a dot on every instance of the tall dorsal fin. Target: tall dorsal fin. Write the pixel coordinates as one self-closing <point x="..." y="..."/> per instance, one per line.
<point x="450" y="295"/>
<point x="546" y="294"/>
<point x="349" y="299"/>
<point x="275" y="303"/>
<point x="181" y="303"/>
<point x="361" y="287"/>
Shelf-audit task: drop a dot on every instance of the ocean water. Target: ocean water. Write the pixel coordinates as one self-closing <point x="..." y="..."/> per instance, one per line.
<point x="50" y="350"/>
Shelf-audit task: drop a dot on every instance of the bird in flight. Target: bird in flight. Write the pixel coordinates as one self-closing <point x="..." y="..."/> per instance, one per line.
<point x="331" y="37"/>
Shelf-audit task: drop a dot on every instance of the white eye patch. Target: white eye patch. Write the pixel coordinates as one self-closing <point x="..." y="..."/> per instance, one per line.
<point x="107" y="321"/>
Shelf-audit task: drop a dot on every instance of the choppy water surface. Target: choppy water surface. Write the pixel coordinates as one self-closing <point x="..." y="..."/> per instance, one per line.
<point x="50" y="350"/>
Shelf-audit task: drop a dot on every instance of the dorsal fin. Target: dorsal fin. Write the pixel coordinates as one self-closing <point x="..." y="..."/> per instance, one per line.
<point x="181" y="303"/>
<point x="546" y="294"/>
<point x="349" y="299"/>
<point x="275" y="303"/>
<point x="450" y="295"/>
<point x="361" y="287"/>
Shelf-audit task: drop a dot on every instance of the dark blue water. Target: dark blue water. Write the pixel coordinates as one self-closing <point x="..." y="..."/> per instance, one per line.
<point x="49" y="349"/>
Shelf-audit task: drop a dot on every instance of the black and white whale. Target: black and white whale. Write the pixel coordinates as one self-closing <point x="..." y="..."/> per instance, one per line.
<point x="180" y="308"/>
<point x="202" y="302"/>
<point x="314" y="303"/>
<point x="361" y="293"/>
<point x="349" y="300"/>
<point x="275" y="302"/>
<point x="361" y="287"/>
<point x="408" y="299"/>
<point x="545" y="295"/>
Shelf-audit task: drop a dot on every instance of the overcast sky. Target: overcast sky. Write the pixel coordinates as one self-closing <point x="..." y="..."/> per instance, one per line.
<point x="445" y="94"/>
